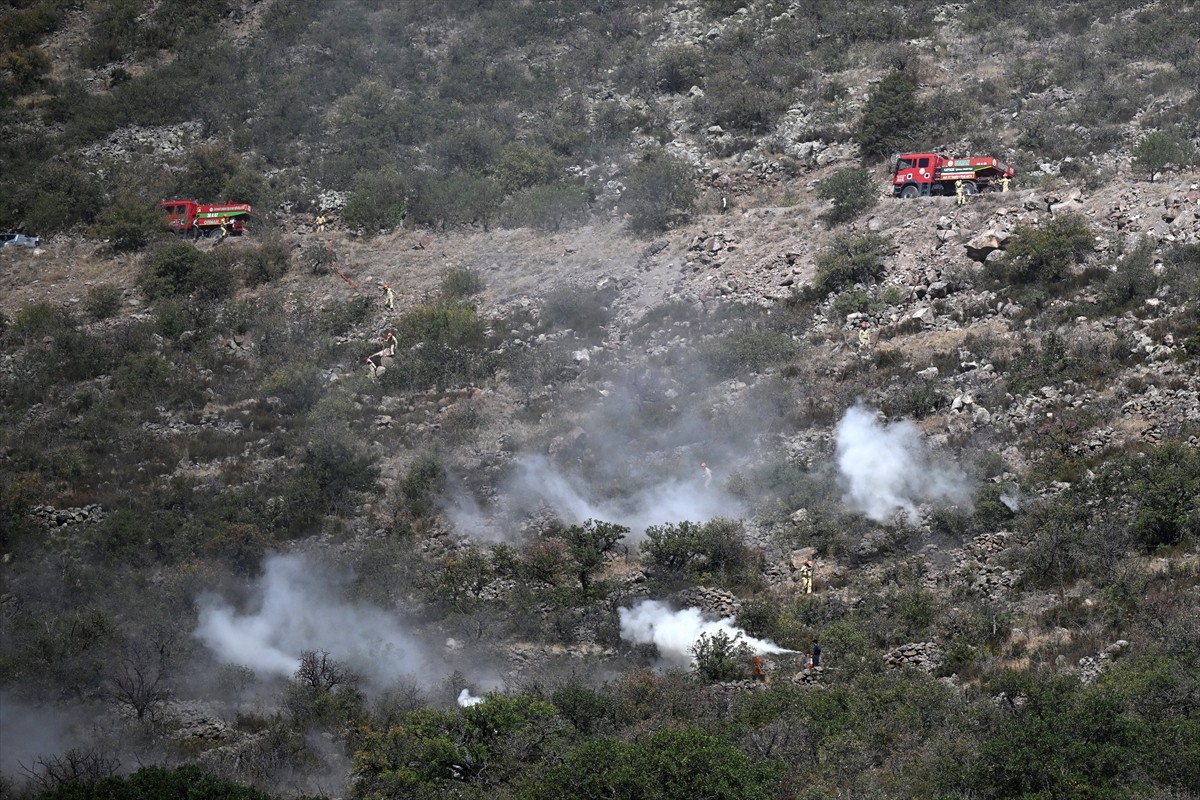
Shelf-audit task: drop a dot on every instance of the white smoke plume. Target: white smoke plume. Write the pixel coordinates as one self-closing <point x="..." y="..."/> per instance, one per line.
<point x="886" y="468"/>
<point x="466" y="699"/>
<point x="536" y="484"/>
<point x="297" y="607"/>
<point x="674" y="632"/>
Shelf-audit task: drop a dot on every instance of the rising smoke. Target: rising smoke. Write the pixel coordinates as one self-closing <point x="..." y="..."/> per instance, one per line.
<point x="537" y="485"/>
<point x="886" y="468"/>
<point x="466" y="699"/>
<point x="297" y="606"/>
<point x="674" y="632"/>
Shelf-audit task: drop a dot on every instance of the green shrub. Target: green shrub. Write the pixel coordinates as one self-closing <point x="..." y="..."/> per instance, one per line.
<point x="439" y="346"/>
<point x="113" y="33"/>
<point x="680" y="67"/>
<point x="575" y="308"/>
<point x="546" y="208"/>
<point x="338" y="472"/>
<point x="743" y="352"/>
<point x="421" y="485"/>
<point x="1163" y="485"/>
<point x="659" y="192"/>
<point x="342" y="316"/>
<point x="850" y="259"/>
<point x="712" y="552"/>
<point x="128" y="225"/>
<point x="892" y="117"/>
<point x="103" y="301"/>
<point x="266" y="263"/>
<point x="851" y="190"/>
<point x="39" y="320"/>
<point x="1157" y="151"/>
<point x="849" y="303"/>
<point x="719" y="658"/>
<point x="462" y="282"/>
<point x="319" y="258"/>
<point x="521" y="166"/>
<point x="181" y="269"/>
<point x="378" y="202"/>
<point x="1044" y="255"/>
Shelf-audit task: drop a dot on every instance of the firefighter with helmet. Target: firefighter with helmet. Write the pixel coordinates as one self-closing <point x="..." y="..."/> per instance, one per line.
<point x="707" y="474"/>
<point x="806" y="577"/>
<point x="960" y="193"/>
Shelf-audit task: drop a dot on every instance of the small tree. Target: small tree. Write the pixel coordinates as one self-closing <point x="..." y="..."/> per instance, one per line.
<point x="659" y="192"/>
<point x="139" y="679"/>
<point x="589" y="545"/>
<point x="1158" y="150"/>
<point x="846" y="261"/>
<point x="851" y="190"/>
<point x="721" y="657"/>
<point x="891" y="117"/>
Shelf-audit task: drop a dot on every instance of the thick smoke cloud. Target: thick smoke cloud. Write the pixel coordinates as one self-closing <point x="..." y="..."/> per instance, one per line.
<point x="674" y="632"/>
<point x="886" y="468"/>
<point x="28" y="733"/>
<point x="466" y="699"/>
<point x="297" y="606"/>
<point x="538" y="485"/>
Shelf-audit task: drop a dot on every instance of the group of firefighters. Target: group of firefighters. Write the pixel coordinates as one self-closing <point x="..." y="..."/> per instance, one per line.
<point x="960" y="190"/>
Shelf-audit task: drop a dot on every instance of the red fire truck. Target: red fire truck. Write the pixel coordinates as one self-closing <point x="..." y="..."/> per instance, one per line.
<point x="924" y="174"/>
<point x="189" y="218"/>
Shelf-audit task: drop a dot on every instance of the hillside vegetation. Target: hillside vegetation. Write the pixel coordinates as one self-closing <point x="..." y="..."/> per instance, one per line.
<point x="659" y="337"/>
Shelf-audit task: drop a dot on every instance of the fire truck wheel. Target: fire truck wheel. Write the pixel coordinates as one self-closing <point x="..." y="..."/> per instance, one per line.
<point x="970" y="188"/>
<point x="910" y="191"/>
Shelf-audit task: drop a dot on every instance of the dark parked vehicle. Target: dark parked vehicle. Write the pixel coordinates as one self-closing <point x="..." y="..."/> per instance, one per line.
<point x="19" y="240"/>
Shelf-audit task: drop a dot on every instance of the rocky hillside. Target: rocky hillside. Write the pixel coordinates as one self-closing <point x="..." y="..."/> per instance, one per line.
<point x="662" y="338"/>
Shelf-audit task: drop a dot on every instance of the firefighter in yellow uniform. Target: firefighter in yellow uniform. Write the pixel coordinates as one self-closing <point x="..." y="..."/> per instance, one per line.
<point x="960" y="193"/>
<point x="806" y="577"/>
<point x="1004" y="183"/>
<point x="864" y="339"/>
<point x="389" y="297"/>
<point x="321" y="223"/>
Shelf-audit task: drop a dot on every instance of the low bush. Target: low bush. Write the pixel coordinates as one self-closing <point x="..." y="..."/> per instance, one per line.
<point x="659" y="192"/>
<point x="743" y="352"/>
<point x="266" y="263"/>
<point x="546" y="207"/>
<point x="848" y="260"/>
<point x="1044" y="255"/>
<point x="462" y="282"/>
<point x="439" y="346"/>
<point x="851" y="191"/>
<point x="181" y="269"/>
<point x="576" y="309"/>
